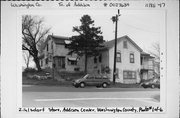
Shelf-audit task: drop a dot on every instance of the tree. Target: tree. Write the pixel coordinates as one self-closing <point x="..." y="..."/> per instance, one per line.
<point x="26" y="57"/>
<point x="156" y="53"/>
<point x="88" y="41"/>
<point x="33" y="32"/>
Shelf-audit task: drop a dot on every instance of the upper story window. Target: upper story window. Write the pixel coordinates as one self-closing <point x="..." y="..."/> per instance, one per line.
<point x="131" y="57"/>
<point x="125" y="44"/>
<point x="52" y="45"/>
<point x="47" y="47"/>
<point x="118" y="57"/>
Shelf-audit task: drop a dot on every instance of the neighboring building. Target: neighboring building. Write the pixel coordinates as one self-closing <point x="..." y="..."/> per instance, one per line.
<point x="132" y="63"/>
<point x="147" y="66"/>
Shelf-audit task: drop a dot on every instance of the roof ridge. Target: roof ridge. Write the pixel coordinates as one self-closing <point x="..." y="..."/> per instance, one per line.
<point x="110" y="43"/>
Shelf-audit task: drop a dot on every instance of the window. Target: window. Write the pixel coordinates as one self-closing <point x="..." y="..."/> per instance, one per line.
<point x="47" y="47"/>
<point x="131" y="58"/>
<point x="61" y="62"/>
<point x="125" y="44"/>
<point x="46" y="61"/>
<point x="129" y="74"/>
<point x="90" y="77"/>
<point x="70" y="62"/>
<point x="100" y="58"/>
<point x="52" y="45"/>
<point x="95" y="60"/>
<point x="118" y="57"/>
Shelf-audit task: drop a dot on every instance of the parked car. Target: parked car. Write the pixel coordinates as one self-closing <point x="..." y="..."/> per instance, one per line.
<point x="151" y="83"/>
<point x="92" y="80"/>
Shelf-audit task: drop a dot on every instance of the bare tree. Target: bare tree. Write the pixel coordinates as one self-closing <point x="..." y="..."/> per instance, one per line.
<point x="156" y="53"/>
<point x="33" y="32"/>
<point x="26" y="57"/>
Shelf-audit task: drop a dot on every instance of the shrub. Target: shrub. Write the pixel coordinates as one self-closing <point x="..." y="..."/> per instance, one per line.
<point x="29" y="70"/>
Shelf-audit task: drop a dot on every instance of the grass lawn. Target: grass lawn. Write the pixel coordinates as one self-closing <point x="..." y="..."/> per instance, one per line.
<point x="63" y="80"/>
<point x="48" y="82"/>
<point x="51" y="82"/>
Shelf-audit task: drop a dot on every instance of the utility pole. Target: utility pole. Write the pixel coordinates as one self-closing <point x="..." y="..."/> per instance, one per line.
<point x="115" y="19"/>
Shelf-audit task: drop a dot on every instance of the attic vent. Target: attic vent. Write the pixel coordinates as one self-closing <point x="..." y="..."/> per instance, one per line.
<point x="125" y="44"/>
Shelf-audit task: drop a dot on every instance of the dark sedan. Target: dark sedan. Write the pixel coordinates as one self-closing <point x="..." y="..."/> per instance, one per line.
<point x="92" y="80"/>
<point x="151" y="83"/>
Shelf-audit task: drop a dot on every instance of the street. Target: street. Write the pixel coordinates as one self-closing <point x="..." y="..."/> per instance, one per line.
<point x="57" y="96"/>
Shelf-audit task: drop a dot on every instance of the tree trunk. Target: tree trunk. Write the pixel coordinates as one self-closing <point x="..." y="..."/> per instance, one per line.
<point x="36" y="60"/>
<point x="27" y="63"/>
<point x="85" y="69"/>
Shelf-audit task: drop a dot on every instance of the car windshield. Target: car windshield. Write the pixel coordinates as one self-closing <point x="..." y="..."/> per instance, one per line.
<point x="86" y="76"/>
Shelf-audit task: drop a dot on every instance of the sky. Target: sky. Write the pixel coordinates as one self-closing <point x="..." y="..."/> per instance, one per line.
<point x="142" y="26"/>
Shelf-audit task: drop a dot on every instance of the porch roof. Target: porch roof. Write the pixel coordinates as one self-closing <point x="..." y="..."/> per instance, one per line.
<point x="144" y="54"/>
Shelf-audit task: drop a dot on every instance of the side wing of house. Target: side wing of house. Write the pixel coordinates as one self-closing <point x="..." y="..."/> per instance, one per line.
<point x="127" y="62"/>
<point x="147" y="66"/>
<point x="98" y="64"/>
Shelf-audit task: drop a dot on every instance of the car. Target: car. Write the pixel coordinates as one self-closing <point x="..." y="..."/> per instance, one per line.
<point x="92" y="80"/>
<point x="151" y="83"/>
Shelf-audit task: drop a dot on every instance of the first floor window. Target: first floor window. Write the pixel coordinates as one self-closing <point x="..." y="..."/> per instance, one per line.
<point x="118" y="57"/>
<point x="61" y="62"/>
<point x="129" y="74"/>
<point x="70" y="62"/>
<point x="95" y="60"/>
<point x="100" y="58"/>
<point x="47" y="60"/>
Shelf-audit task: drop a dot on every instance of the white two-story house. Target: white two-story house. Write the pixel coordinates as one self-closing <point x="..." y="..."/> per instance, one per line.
<point x="128" y="61"/>
<point x="132" y="64"/>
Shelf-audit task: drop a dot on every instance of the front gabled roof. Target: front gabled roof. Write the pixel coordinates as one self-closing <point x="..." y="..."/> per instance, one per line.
<point x="59" y="39"/>
<point x="110" y="44"/>
<point x="56" y="39"/>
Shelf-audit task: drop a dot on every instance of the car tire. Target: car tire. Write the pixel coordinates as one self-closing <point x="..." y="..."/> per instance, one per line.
<point x="144" y="86"/>
<point x="104" y="85"/>
<point x="76" y="86"/>
<point x="153" y="86"/>
<point x="82" y="85"/>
